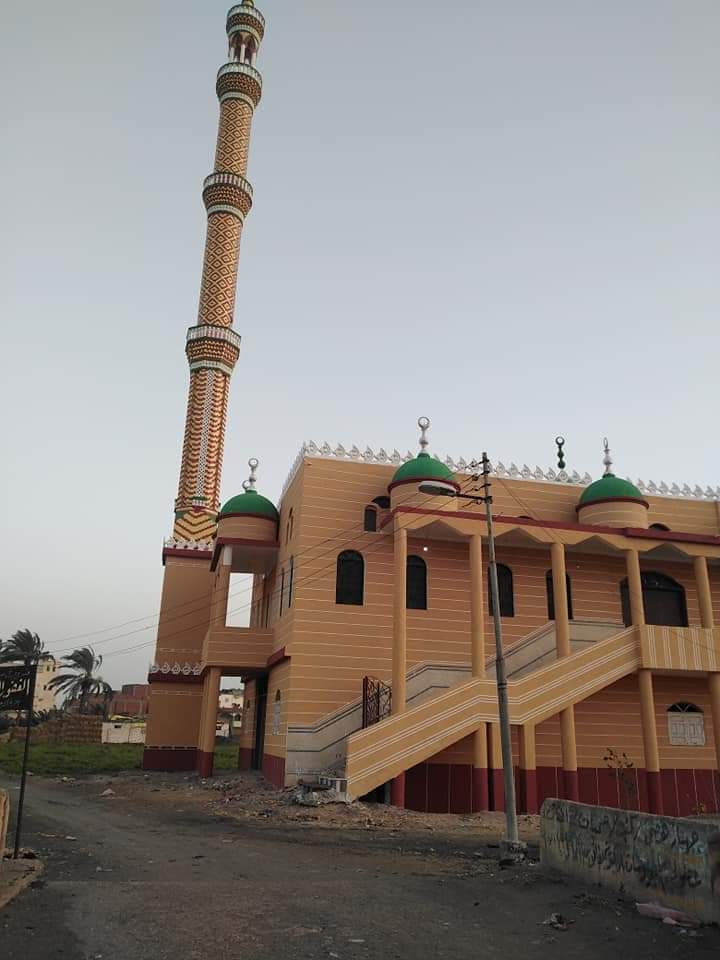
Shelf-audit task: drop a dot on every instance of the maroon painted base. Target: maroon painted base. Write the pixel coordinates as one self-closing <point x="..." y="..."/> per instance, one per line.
<point x="528" y="793"/>
<point x="205" y="763"/>
<point x="480" y="790"/>
<point x="397" y="791"/>
<point x="245" y="758"/>
<point x="170" y="759"/>
<point x="273" y="769"/>
<point x="571" y="784"/>
<point x="451" y="788"/>
<point x="654" y="792"/>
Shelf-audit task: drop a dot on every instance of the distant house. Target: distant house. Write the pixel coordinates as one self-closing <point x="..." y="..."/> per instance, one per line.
<point x="130" y="701"/>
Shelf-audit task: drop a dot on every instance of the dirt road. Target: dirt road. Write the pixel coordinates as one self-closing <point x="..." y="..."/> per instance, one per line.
<point x="134" y="877"/>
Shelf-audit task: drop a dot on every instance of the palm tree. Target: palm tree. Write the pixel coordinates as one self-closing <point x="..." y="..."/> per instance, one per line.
<point x="24" y="646"/>
<point x="83" y="681"/>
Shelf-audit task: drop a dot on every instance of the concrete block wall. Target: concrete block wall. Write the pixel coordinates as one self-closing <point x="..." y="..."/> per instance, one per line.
<point x="672" y="860"/>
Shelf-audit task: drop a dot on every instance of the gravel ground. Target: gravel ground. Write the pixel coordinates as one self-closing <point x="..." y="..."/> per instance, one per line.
<point x="168" y="867"/>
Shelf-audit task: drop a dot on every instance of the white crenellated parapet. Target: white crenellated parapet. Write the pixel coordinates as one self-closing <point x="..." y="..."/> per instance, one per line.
<point x="512" y="472"/>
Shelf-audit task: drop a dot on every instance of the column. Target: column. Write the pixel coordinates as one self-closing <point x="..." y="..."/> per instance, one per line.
<point x="495" y="764"/>
<point x="528" y="770"/>
<point x="702" y="580"/>
<point x="477" y="662"/>
<point x="480" y="791"/>
<point x="569" y="754"/>
<point x="714" y="683"/>
<point x="650" y="744"/>
<point x="477" y="620"/>
<point x="208" y="719"/>
<point x="562" y="624"/>
<point x="221" y="589"/>
<point x="399" y="659"/>
<point x="637" y="606"/>
<point x="562" y="643"/>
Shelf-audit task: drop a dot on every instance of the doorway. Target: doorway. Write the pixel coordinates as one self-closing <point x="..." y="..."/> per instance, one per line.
<point x="261" y="688"/>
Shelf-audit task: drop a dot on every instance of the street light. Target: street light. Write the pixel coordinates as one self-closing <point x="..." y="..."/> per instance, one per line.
<point x="440" y="490"/>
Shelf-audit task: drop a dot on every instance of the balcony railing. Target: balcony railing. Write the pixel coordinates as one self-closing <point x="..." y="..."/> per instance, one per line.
<point x="242" y="648"/>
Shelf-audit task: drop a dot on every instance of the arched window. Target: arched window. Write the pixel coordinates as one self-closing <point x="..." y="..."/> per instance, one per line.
<point x="686" y="725"/>
<point x="663" y="599"/>
<point x="289" y="526"/>
<point x="505" y="589"/>
<point x="659" y="526"/>
<point x="350" y="578"/>
<point x="370" y="519"/>
<point x="416" y="586"/>
<point x="291" y="578"/>
<point x="550" y="590"/>
<point x="282" y="592"/>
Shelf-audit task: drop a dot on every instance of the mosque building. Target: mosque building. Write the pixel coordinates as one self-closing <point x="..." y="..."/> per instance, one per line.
<point x="369" y="655"/>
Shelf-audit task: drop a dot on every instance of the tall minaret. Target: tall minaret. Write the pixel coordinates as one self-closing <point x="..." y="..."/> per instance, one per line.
<point x="212" y="345"/>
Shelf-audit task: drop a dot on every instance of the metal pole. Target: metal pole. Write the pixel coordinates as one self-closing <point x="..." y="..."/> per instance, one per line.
<point x="500" y="675"/>
<point x="23" y="776"/>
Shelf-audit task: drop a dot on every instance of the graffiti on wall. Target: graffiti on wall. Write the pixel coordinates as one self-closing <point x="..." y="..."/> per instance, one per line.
<point x="633" y="850"/>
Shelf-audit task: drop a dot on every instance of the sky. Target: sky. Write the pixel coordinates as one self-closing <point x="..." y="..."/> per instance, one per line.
<point x="502" y="215"/>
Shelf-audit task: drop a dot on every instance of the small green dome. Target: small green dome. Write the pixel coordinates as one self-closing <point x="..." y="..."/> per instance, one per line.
<point x="250" y="502"/>
<point x="423" y="467"/>
<point x="610" y="487"/>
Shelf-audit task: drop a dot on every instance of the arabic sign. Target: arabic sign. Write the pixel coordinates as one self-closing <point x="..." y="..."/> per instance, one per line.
<point x="15" y="687"/>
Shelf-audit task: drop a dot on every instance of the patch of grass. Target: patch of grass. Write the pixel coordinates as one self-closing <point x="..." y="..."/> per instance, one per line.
<point x="72" y="760"/>
<point x="226" y="757"/>
<point x="49" y="759"/>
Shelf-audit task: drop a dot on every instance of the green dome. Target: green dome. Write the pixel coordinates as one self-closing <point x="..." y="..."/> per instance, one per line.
<point x="250" y="502"/>
<point x="610" y="487"/>
<point x="423" y="467"/>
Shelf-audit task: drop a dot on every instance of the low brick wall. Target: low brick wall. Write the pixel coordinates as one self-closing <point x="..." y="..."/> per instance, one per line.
<point x="67" y="728"/>
<point x="4" y="821"/>
<point x="671" y="860"/>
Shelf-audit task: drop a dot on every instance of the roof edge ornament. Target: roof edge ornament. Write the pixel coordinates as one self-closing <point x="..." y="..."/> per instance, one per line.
<point x="461" y="466"/>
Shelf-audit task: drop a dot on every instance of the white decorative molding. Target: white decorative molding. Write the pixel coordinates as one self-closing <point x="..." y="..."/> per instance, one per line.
<point x="512" y="472"/>
<point x="175" y="669"/>
<point x="202" y="545"/>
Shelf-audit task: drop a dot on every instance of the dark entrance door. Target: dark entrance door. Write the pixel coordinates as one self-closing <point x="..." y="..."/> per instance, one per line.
<point x="663" y="598"/>
<point x="261" y="688"/>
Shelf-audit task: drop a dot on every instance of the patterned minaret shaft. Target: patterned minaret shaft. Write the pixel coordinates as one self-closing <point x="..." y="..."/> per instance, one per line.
<point x="213" y="346"/>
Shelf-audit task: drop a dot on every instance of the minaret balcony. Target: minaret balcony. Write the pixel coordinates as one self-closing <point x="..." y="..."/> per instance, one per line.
<point x="240" y="81"/>
<point x="244" y="13"/>
<point x="212" y="347"/>
<point x="227" y="192"/>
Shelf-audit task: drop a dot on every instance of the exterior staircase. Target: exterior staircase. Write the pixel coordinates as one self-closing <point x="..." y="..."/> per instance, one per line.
<point x="321" y="749"/>
<point x="379" y="753"/>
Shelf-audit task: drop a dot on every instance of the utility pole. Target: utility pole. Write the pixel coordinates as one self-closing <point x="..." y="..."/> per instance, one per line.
<point x="513" y="843"/>
<point x="500" y="674"/>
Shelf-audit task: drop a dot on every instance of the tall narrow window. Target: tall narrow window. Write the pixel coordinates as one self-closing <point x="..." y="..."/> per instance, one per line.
<point x="291" y="578"/>
<point x="416" y="587"/>
<point x="277" y="714"/>
<point x="550" y="590"/>
<point x="282" y="592"/>
<point x="289" y="526"/>
<point x="370" y="519"/>
<point x="350" y="578"/>
<point x="505" y="589"/>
